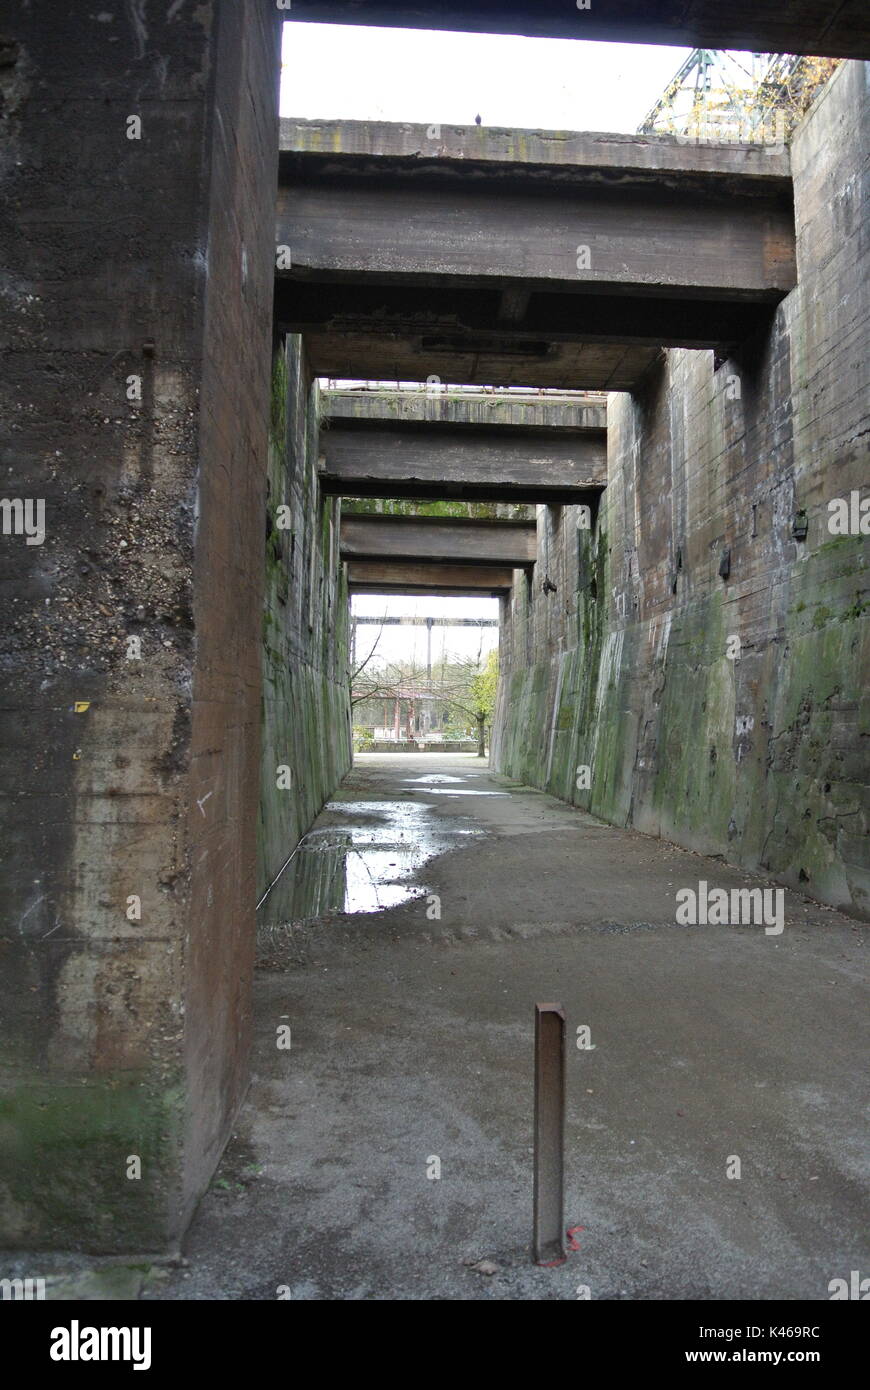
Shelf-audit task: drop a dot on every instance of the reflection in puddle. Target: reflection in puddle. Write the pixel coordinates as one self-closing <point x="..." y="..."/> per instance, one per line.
<point x="356" y="868"/>
<point x="431" y="777"/>
<point x="448" y="791"/>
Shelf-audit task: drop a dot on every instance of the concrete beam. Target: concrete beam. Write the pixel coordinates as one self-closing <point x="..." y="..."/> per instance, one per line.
<point x="529" y="258"/>
<point x="439" y="406"/>
<point x="711" y="221"/>
<point x="372" y="450"/>
<point x="766" y="26"/>
<point x="438" y="540"/>
<point x="462" y="356"/>
<point x="460" y="581"/>
<point x="557" y="157"/>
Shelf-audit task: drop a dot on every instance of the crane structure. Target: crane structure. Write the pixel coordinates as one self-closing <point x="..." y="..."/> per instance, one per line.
<point x="724" y="95"/>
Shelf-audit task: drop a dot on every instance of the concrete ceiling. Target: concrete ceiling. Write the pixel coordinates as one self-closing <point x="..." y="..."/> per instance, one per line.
<point x="837" y="29"/>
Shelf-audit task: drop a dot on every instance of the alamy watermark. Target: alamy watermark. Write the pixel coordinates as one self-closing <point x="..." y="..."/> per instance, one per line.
<point x="725" y="127"/>
<point x="739" y="907"/>
<point x="856" y="1288"/>
<point x="77" y="1343"/>
<point x="24" y="516"/>
<point x="849" y="516"/>
<point x="22" y="1290"/>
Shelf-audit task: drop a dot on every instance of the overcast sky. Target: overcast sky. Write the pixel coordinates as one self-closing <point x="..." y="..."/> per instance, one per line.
<point x="356" y="73"/>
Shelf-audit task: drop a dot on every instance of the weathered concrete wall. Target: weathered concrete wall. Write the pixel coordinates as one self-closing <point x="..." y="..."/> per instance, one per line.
<point x="306" y="700"/>
<point x="625" y="668"/>
<point x="131" y="263"/>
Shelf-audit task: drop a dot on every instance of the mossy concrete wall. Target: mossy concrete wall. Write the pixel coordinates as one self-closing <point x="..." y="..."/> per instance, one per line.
<point x="626" y="668"/>
<point x="306" y="700"/>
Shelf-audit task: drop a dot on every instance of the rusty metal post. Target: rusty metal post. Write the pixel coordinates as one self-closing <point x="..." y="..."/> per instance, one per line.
<point x="549" y="1224"/>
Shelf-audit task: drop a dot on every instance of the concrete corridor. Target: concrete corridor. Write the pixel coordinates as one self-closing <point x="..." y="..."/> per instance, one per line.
<point x="412" y="1038"/>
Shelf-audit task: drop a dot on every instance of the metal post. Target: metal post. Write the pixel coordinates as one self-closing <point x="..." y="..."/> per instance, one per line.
<point x="549" y="1224"/>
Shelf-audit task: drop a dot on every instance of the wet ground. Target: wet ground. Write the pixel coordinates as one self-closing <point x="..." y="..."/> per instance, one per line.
<point x="362" y="856"/>
<point x="405" y="947"/>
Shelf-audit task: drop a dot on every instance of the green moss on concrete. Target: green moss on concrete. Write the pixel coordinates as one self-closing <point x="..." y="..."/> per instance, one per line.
<point x="278" y="410"/>
<point x="64" y="1170"/>
<point x="455" y="507"/>
<point x="305" y="629"/>
<point x="541" y="738"/>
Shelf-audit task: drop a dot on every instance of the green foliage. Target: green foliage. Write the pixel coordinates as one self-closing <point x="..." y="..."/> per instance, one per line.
<point x="482" y="687"/>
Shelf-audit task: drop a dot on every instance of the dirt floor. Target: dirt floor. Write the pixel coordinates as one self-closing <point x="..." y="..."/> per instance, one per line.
<point x="412" y="1036"/>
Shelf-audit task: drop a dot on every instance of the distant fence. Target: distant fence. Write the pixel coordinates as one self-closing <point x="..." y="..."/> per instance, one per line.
<point x="391" y="745"/>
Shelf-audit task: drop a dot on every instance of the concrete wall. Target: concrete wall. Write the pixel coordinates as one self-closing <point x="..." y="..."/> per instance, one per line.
<point x="306" y="699"/>
<point x="625" y="667"/>
<point x="128" y="776"/>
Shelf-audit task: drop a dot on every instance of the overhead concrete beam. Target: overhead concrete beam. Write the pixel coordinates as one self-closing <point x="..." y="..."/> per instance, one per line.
<point x="438" y="405"/>
<point x="767" y="26"/>
<point x="554" y="157"/>
<point x="528" y="258"/>
<point x="405" y="354"/>
<point x="470" y="581"/>
<point x="376" y="446"/>
<point x="437" y="540"/>
<point x="716" y="224"/>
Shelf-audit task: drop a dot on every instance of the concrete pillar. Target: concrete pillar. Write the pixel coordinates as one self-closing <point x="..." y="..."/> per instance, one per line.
<point x="136" y="195"/>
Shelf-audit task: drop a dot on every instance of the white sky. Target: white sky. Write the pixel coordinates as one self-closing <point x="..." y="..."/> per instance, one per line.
<point x="351" y="72"/>
<point x="347" y="72"/>
<point x="409" y="643"/>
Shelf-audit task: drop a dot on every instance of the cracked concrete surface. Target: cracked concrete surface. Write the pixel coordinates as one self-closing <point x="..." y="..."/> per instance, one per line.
<point x="412" y="1038"/>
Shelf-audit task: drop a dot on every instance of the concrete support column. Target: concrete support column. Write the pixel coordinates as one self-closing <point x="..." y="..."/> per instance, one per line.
<point x="136" y="196"/>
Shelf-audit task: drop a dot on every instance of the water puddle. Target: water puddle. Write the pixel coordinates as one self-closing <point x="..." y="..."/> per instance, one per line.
<point x="363" y="864"/>
<point x="430" y="778"/>
<point x="445" y="791"/>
